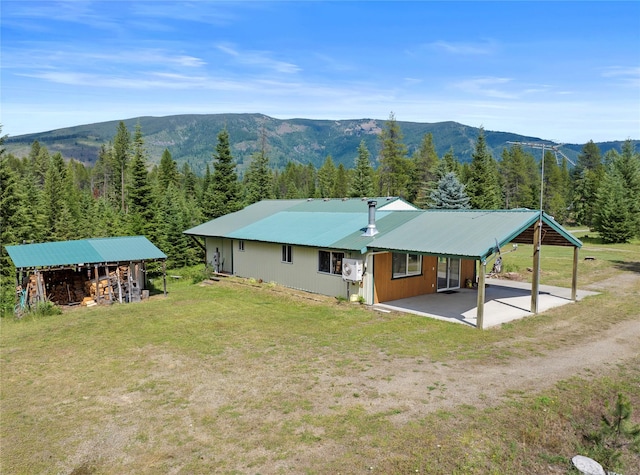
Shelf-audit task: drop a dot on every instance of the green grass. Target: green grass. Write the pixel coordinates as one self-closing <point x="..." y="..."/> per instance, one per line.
<point x="240" y="378"/>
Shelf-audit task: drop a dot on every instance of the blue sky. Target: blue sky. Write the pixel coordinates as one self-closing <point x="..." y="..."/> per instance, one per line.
<point x="563" y="71"/>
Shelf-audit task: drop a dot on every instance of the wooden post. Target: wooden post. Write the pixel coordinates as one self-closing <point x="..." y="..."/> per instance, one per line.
<point x="481" y="291"/>
<point x="574" y="277"/>
<point x="97" y="279"/>
<point x="535" y="281"/>
<point x="130" y="280"/>
<point x="164" y="276"/>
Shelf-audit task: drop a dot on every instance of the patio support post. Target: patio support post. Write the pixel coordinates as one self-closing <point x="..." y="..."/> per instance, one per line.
<point x="574" y="277"/>
<point x="481" y="286"/>
<point x="535" y="280"/>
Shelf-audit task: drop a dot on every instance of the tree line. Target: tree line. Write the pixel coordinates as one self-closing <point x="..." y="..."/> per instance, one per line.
<point x="47" y="198"/>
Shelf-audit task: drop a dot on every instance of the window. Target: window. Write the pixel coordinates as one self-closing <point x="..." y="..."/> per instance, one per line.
<point x="287" y="254"/>
<point x="240" y="245"/>
<point x="406" y="264"/>
<point x="330" y="262"/>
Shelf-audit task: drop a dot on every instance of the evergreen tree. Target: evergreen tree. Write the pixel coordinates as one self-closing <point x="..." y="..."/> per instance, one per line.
<point x="449" y="194"/>
<point x="623" y="168"/>
<point x="326" y="178"/>
<point x="167" y="171"/>
<point x="395" y="167"/>
<point x="259" y="183"/>
<point x="120" y="157"/>
<point x="449" y="163"/>
<point x="483" y="184"/>
<point x="56" y="209"/>
<point x="340" y="185"/>
<point x="38" y="161"/>
<point x="554" y="197"/>
<point x="310" y="179"/>
<point x="140" y="206"/>
<point x="518" y="178"/>
<point x="425" y="163"/>
<point x="361" y="184"/>
<point x="586" y="178"/>
<point x="613" y="219"/>
<point x="223" y="193"/>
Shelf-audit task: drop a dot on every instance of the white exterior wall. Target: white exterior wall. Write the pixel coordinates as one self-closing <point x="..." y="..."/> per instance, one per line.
<point x="226" y="252"/>
<point x="264" y="261"/>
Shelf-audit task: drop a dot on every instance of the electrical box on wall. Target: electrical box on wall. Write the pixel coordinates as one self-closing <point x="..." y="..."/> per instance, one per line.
<point x="352" y="270"/>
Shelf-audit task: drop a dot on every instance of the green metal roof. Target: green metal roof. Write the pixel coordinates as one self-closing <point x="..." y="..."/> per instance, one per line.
<point x="320" y="229"/>
<point x="339" y="224"/>
<point x="464" y="233"/>
<point x="228" y="223"/>
<point x="84" y="251"/>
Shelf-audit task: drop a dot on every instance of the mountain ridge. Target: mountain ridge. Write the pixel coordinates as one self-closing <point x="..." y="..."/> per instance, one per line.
<point x="192" y="138"/>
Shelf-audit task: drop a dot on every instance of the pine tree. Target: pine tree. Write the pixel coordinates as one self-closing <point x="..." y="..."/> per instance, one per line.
<point x="120" y="157"/>
<point x="483" y="184"/>
<point x="449" y="163"/>
<point x="340" y="185"/>
<point x="361" y="183"/>
<point x="425" y="163"/>
<point x="518" y="186"/>
<point x="613" y="219"/>
<point x="55" y="206"/>
<point x="259" y="181"/>
<point x="625" y="167"/>
<point x="449" y="194"/>
<point x="395" y="167"/>
<point x="223" y="193"/>
<point x="140" y="206"/>
<point x="326" y="178"/>
<point x="554" y="196"/>
<point x="167" y="171"/>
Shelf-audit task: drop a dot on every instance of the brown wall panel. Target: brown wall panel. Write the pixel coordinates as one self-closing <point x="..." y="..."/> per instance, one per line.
<point x="387" y="288"/>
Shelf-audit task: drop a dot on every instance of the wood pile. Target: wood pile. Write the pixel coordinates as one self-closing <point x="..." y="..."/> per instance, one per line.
<point x="113" y="287"/>
<point x="68" y="290"/>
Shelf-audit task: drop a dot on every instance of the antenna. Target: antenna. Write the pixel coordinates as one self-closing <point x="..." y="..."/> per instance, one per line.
<point x="544" y="146"/>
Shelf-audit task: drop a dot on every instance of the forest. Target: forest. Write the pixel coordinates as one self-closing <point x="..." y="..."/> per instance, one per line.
<point x="46" y="197"/>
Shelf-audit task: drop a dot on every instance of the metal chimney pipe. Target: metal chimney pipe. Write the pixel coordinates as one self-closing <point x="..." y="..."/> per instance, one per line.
<point x="371" y="228"/>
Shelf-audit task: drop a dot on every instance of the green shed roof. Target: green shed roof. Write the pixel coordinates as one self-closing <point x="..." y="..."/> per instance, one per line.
<point x="84" y="251"/>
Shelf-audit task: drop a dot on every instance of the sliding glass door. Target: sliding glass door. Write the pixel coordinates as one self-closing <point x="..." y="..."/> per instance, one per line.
<point x="448" y="273"/>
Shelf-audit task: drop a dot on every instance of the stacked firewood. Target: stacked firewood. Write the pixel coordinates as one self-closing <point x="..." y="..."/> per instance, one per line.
<point x="112" y="287"/>
<point x="67" y="291"/>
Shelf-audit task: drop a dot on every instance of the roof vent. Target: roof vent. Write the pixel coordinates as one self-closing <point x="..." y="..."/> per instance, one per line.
<point x="371" y="228"/>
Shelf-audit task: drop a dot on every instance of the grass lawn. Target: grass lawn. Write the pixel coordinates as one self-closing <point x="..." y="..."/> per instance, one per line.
<point x="239" y="378"/>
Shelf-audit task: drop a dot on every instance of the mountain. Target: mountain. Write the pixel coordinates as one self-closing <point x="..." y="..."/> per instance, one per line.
<point x="192" y="139"/>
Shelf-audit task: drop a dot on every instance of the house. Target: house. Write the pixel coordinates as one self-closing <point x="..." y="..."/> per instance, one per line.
<point x="378" y="249"/>
<point x="101" y="270"/>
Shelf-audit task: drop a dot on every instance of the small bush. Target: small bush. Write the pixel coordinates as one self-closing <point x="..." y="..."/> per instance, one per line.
<point x="45" y="309"/>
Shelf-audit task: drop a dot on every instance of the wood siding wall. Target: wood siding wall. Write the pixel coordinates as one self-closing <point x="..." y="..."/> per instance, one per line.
<point x="387" y="288"/>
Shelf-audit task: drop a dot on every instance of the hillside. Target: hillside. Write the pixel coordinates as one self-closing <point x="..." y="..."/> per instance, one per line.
<point x="192" y="139"/>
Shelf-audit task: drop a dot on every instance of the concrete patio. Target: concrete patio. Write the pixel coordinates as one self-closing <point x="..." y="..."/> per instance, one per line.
<point x="505" y="301"/>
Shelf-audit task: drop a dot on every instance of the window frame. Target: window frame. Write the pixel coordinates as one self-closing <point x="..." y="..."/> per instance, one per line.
<point x="336" y="259"/>
<point x="287" y="254"/>
<point x="405" y="272"/>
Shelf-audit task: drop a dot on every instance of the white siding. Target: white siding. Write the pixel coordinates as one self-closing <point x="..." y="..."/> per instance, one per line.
<point x="264" y="261"/>
<point x="225" y="248"/>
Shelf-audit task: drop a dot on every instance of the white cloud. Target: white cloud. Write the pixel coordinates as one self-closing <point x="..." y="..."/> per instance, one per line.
<point x="464" y="48"/>
<point x="257" y="58"/>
